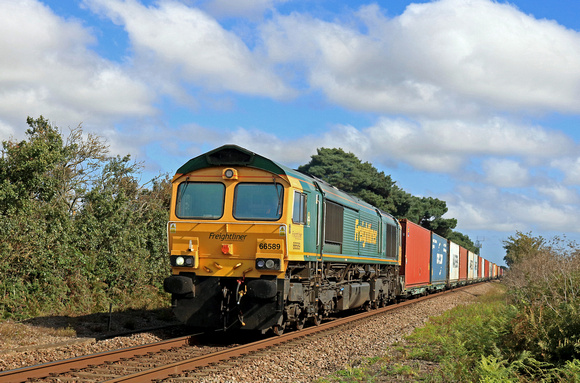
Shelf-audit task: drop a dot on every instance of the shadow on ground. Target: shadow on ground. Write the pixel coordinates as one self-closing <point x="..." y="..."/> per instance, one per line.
<point x="103" y="325"/>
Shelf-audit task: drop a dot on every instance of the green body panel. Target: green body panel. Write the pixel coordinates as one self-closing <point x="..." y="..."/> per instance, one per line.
<point x="364" y="229"/>
<point x="311" y="229"/>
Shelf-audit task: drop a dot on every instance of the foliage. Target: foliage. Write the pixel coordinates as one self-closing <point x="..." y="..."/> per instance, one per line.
<point x="348" y="173"/>
<point x="533" y="334"/>
<point x="544" y="287"/>
<point x="77" y="231"/>
<point x="520" y="246"/>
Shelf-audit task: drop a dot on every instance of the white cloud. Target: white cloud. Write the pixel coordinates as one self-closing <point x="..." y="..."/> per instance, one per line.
<point x="560" y="194"/>
<point x="570" y="167"/>
<point x="184" y="43"/>
<point x="442" y="58"/>
<point x="448" y="145"/>
<point x="46" y="68"/>
<point x="505" y="173"/>
<point x="486" y="208"/>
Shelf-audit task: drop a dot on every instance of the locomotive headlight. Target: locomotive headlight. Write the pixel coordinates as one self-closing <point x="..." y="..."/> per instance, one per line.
<point x="184" y="261"/>
<point x="267" y="264"/>
<point x="230" y="174"/>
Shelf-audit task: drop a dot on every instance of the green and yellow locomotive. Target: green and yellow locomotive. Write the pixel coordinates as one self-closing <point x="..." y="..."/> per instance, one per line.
<point x="256" y="245"/>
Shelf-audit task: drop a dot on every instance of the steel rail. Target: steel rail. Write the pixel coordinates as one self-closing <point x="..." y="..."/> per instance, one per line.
<point x="60" y="366"/>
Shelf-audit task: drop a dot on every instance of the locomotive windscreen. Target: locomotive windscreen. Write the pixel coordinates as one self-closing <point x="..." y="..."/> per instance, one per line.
<point x="258" y="201"/>
<point x="200" y="200"/>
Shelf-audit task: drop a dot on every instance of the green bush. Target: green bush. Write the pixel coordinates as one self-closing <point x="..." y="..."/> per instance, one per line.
<point x="77" y="230"/>
<point x="544" y="288"/>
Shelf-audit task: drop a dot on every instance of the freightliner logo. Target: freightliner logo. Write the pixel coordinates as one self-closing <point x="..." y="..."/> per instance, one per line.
<point x="228" y="237"/>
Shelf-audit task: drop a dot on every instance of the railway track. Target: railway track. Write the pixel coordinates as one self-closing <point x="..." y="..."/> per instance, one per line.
<point x="177" y="357"/>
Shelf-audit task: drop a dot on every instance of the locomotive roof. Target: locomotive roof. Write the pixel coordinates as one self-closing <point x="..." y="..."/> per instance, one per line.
<point x="233" y="155"/>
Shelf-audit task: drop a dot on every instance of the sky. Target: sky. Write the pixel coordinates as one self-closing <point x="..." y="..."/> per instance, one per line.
<point x="474" y="102"/>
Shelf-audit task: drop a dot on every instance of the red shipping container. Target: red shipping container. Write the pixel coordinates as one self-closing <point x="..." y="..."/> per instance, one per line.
<point x="416" y="254"/>
<point x="479" y="267"/>
<point x="462" y="264"/>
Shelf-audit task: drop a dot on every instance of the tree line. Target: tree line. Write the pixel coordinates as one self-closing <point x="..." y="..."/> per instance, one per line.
<point x="361" y="179"/>
<point x="80" y="231"/>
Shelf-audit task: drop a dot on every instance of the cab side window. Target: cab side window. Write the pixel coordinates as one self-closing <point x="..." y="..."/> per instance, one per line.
<point x="299" y="212"/>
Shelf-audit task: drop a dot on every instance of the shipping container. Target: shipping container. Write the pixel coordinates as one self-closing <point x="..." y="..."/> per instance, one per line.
<point x="463" y="263"/>
<point x="416" y="254"/>
<point x="470" y="265"/>
<point x="486" y="268"/>
<point x="453" y="263"/>
<point x="479" y="268"/>
<point x="439" y="258"/>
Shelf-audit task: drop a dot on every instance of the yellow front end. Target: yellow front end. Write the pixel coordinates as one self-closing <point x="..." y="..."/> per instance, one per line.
<point x="228" y="247"/>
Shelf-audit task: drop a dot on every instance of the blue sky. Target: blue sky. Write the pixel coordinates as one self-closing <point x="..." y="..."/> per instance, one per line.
<point x="475" y="102"/>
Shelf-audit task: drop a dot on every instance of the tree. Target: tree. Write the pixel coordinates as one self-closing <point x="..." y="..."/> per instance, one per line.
<point x="428" y="212"/>
<point x="77" y="230"/>
<point x="348" y="173"/>
<point x="521" y="246"/>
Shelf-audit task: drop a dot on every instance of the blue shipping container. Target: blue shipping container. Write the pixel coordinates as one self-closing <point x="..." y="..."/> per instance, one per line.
<point x="439" y="259"/>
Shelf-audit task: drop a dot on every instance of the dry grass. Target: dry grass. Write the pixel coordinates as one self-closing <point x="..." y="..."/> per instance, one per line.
<point x="13" y="334"/>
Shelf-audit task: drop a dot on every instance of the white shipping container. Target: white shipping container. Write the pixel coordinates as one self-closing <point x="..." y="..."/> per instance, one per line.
<point x="470" y="265"/>
<point x="453" y="262"/>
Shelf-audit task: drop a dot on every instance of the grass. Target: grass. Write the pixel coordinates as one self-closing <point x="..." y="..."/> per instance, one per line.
<point x="13" y="334"/>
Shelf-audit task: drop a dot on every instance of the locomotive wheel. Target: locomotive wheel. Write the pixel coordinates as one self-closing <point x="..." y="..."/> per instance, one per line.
<point x="300" y="323"/>
<point x="278" y="329"/>
<point x="316" y="320"/>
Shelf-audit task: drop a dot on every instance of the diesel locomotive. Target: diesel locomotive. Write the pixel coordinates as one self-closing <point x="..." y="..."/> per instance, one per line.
<point x="256" y="245"/>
